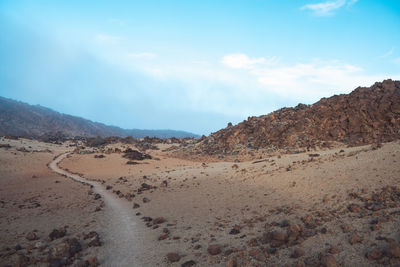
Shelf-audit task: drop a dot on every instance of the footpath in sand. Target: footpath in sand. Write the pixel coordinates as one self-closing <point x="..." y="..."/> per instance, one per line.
<point x="123" y="237"/>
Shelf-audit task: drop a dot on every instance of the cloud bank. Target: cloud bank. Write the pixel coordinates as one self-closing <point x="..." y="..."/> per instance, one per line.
<point x="327" y="8"/>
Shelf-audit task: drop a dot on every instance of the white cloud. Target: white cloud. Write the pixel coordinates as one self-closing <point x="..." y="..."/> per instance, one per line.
<point x="240" y="85"/>
<point x="327" y="8"/>
<point x="309" y="81"/>
<point x="242" y="61"/>
<point x="144" y="55"/>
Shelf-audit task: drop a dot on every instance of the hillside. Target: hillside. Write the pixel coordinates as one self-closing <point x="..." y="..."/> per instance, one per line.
<point x="21" y="119"/>
<point x="366" y="115"/>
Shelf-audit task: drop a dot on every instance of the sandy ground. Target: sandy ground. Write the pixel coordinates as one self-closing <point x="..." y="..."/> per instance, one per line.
<point x="283" y="210"/>
<point x="33" y="198"/>
<point x="202" y="203"/>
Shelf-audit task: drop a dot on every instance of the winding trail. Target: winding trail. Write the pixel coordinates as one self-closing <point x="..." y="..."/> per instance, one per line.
<point x="122" y="236"/>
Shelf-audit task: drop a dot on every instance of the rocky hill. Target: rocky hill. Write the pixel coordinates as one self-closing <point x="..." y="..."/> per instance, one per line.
<point x="21" y="119"/>
<point x="366" y="115"/>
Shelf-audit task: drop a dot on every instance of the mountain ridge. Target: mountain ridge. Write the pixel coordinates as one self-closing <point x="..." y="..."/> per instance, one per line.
<point x="364" y="116"/>
<point x="22" y="119"/>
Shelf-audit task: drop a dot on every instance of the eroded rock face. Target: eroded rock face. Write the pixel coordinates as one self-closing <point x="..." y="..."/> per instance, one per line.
<point x="365" y="116"/>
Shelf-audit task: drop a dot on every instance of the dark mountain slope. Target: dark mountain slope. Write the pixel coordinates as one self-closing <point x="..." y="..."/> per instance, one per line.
<point x="21" y="119"/>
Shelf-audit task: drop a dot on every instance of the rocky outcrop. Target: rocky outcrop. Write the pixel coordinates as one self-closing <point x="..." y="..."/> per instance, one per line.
<point x="366" y="115"/>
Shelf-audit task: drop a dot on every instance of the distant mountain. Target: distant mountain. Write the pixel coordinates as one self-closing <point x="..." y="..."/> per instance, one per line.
<point x="366" y="115"/>
<point x="21" y="119"/>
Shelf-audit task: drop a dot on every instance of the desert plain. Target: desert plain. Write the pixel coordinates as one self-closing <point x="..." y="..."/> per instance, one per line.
<point x="66" y="204"/>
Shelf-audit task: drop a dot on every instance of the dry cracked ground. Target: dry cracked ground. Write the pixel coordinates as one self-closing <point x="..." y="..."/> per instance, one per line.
<point x="328" y="207"/>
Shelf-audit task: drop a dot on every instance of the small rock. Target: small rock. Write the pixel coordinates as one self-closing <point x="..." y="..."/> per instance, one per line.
<point x="345" y="228"/>
<point x="329" y="261"/>
<point x="57" y="233"/>
<point x="231" y="263"/>
<point x="234" y="231"/>
<point x="93" y="262"/>
<point x="353" y="208"/>
<point x="333" y="250"/>
<point x="300" y="263"/>
<point x="74" y="246"/>
<point x="214" y="249"/>
<point x="173" y="257"/>
<point x="355" y="238"/>
<point x="159" y="220"/>
<point x="95" y="242"/>
<point x="145" y="200"/>
<point x="297" y="253"/>
<point x="188" y="263"/>
<point x="32" y="236"/>
<point x="40" y="245"/>
<point x="393" y="250"/>
<point x="279" y="236"/>
<point x="136" y="205"/>
<point x="163" y="236"/>
<point x="375" y="254"/>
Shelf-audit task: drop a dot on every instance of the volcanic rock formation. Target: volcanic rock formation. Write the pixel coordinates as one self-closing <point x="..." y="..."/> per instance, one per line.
<point x="366" y="115"/>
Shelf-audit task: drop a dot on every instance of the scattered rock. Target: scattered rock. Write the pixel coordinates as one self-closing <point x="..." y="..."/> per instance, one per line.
<point x="355" y="238"/>
<point x="57" y="233"/>
<point x="93" y="262"/>
<point x="188" y="263"/>
<point x="32" y="236"/>
<point x="173" y="257"/>
<point x="214" y="249"/>
<point x="393" y="250"/>
<point x="159" y="220"/>
<point x="231" y="263"/>
<point x="375" y="254"/>
<point x="163" y="236"/>
<point x="333" y="250"/>
<point x="234" y="231"/>
<point x="297" y="253"/>
<point x="329" y="261"/>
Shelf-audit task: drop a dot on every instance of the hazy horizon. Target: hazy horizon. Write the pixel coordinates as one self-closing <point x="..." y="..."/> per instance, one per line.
<point x="192" y="66"/>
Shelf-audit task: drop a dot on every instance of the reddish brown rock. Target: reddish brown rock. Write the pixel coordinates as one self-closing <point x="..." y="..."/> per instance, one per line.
<point x="279" y="236"/>
<point x="297" y="253"/>
<point x="173" y="257"/>
<point x="159" y="220"/>
<point x="93" y="262"/>
<point x="375" y="254"/>
<point x="393" y="250"/>
<point x="355" y="238"/>
<point x="365" y="116"/>
<point x="163" y="236"/>
<point x="329" y="261"/>
<point x="57" y="233"/>
<point x="333" y="250"/>
<point x="345" y="228"/>
<point x="231" y="263"/>
<point x="214" y="249"/>
<point x="32" y="236"/>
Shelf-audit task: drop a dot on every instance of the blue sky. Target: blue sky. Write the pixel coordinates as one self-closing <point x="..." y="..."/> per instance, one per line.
<point x="192" y="65"/>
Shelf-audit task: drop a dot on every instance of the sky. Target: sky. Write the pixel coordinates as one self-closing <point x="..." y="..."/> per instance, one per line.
<point x="192" y="65"/>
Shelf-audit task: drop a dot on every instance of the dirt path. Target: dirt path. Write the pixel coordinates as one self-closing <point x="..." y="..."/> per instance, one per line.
<point x="122" y="237"/>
